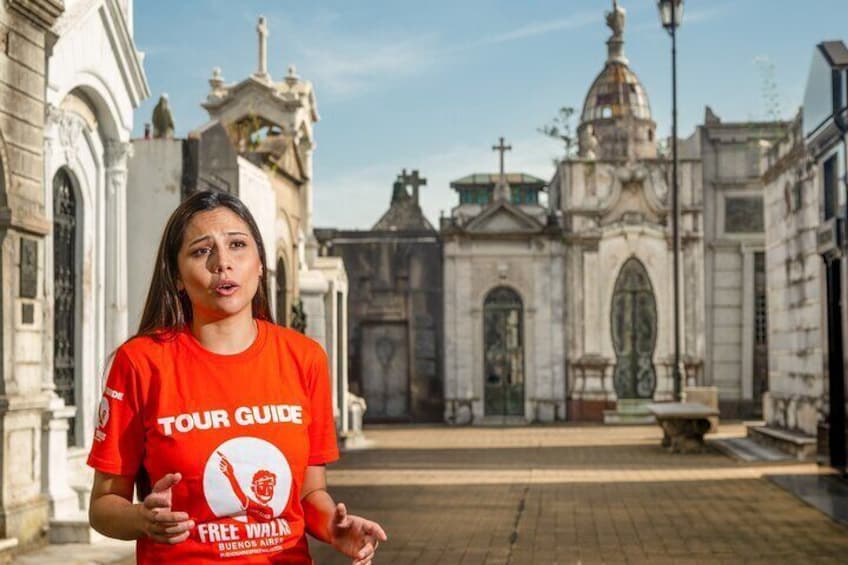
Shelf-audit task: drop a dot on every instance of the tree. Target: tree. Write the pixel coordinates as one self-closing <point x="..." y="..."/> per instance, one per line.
<point x="560" y="129"/>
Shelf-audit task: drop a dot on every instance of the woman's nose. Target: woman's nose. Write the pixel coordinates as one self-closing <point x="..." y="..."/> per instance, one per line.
<point x="219" y="261"/>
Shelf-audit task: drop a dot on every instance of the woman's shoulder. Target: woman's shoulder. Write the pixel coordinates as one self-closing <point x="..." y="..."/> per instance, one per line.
<point x="292" y="339"/>
<point x="144" y="348"/>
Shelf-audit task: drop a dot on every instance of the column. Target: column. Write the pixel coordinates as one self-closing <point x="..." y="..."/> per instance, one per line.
<point x="55" y="419"/>
<point x="116" y="156"/>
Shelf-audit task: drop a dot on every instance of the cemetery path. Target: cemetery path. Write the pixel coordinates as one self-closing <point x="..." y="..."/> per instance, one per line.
<point x="573" y="494"/>
<point x="555" y="495"/>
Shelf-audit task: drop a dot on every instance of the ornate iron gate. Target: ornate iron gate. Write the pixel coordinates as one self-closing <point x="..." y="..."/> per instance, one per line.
<point x="634" y="332"/>
<point x="64" y="292"/>
<point x="504" y="353"/>
<point x="760" y="332"/>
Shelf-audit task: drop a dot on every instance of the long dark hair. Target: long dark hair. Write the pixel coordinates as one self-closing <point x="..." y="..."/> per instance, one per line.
<point x="167" y="310"/>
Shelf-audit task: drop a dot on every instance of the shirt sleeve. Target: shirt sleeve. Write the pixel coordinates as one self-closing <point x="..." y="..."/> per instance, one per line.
<point x="118" y="445"/>
<point x="322" y="425"/>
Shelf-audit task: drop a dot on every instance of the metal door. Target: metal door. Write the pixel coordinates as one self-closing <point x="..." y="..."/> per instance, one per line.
<point x="504" y="353"/>
<point x="385" y="370"/>
<point x="64" y="292"/>
<point x="634" y="332"/>
<point x="760" y="332"/>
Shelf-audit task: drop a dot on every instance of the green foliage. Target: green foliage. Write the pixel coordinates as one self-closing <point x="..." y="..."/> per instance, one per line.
<point x="298" y="318"/>
<point x="560" y="128"/>
<point x="770" y="94"/>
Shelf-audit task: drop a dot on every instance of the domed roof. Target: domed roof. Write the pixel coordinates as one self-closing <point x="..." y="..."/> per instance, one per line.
<point x="616" y="93"/>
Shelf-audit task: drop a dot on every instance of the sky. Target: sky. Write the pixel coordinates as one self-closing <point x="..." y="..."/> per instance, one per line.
<point x="433" y="85"/>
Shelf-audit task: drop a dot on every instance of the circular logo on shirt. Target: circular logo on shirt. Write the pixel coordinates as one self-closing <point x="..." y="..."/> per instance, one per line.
<point x="248" y="478"/>
<point x="103" y="413"/>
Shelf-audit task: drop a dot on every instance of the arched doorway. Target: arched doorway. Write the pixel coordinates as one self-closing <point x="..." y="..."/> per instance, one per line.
<point x="634" y="332"/>
<point x="282" y="306"/>
<point x="64" y="292"/>
<point x="504" y="353"/>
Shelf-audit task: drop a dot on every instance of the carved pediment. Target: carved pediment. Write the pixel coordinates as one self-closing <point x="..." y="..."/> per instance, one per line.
<point x="636" y="196"/>
<point x="504" y="218"/>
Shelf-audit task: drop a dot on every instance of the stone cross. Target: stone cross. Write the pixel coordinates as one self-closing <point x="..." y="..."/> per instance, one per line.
<point x="502" y="189"/>
<point x="262" y="30"/>
<point x="414" y="181"/>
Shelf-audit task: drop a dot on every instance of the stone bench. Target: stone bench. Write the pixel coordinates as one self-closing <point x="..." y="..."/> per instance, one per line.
<point x="684" y="424"/>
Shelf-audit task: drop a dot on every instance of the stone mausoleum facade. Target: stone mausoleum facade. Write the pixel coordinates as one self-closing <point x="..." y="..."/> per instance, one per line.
<point x="559" y="295"/>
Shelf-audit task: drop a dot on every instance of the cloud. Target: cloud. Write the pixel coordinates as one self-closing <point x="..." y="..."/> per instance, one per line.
<point x="366" y="192"/>
<point x="352" y="66"/>
<point x="346" y="66"/>
<point x="534" y="29"/>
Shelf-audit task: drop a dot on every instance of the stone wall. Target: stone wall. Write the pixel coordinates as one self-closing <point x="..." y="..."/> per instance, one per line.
<point x="395" y="286"/>
<point x="796" y="396"/>
<point x="25" y="42"/>
<point x="734" y="234"/>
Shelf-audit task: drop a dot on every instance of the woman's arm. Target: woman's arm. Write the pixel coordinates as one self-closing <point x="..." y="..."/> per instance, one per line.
<point x="113" y="514"/>
<point x="329" y="522"/>
<point x="318" y="505"/>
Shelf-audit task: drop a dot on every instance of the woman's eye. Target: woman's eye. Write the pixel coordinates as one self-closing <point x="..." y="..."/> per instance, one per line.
<point x="200" y="251"/>
<point x="239" y="244"/>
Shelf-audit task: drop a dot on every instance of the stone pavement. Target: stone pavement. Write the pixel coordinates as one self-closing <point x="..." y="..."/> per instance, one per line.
<point x="559" y="495"/>
<point x="574" y="494"/>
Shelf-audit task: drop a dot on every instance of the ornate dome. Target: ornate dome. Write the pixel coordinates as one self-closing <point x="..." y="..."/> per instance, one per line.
<point x="616" y="121"/>
<point x="616" y="93"/>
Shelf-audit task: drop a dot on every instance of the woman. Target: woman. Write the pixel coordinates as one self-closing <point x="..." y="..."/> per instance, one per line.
<point x="227" y="415"/>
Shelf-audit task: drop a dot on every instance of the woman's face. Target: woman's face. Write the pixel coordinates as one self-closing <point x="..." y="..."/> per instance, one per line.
<point x="219" y="266"/>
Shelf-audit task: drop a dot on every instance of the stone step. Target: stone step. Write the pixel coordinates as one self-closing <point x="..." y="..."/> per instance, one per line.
<point x="72" y="529"/>
<point x="745" y="449"/>
<point x="615" y="417"/>
<point x="500" y="421"/>
<point x="800" y="446"/>
<point x="7" y="549"/>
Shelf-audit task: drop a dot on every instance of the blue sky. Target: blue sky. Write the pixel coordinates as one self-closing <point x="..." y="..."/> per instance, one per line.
<point x="432" y="85"/>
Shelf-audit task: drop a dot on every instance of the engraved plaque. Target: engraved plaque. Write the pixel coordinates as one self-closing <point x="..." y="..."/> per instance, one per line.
<point x="744" y="214"/>
<point x="29" y="268"/>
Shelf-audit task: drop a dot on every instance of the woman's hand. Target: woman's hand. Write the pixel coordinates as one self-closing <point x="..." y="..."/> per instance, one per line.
<point x="159" y="522"/>
<point x="355" y="536"/>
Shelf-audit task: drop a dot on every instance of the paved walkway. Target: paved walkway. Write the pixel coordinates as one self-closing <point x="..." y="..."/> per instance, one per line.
<point x="576" y="494"/>
<point x="560" y="495"/>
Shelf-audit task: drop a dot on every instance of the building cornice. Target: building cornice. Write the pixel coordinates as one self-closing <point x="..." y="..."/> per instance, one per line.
<point x="42" y="13"/>
<point x="129" y="62"/>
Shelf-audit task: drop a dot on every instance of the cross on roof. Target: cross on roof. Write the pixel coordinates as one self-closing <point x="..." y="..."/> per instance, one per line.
<point x="413" y="180"/>
<point x="502" y="149"/>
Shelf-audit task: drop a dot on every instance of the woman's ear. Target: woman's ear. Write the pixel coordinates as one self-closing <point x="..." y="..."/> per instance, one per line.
<point x="180" y="286"/>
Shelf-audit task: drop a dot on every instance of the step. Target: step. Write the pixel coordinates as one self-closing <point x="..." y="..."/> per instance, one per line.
<point x="615" y="417"/>
<point x="746" y="449"/>
<point x="7" y="549"/>
<point x="799" y="445"/>
<point x="72" y="529"/>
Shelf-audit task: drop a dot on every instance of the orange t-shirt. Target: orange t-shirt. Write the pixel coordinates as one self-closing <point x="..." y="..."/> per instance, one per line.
<point x="240" y="428"/>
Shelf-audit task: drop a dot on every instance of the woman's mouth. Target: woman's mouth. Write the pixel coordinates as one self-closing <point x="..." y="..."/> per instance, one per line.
<point x="225" y="288"/>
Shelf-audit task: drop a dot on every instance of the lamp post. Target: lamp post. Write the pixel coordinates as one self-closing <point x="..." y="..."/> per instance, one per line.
<point x="671" y="16"/>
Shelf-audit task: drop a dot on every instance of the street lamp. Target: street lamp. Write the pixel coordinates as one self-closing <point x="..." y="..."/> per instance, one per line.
<point x="671" y="16"/>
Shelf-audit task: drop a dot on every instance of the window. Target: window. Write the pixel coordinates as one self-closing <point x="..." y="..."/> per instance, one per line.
<point x="829" y="187"/>
<point x="517" y="195"/>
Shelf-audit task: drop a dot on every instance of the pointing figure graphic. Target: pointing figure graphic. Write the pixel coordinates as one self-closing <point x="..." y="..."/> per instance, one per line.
<point x="262" y="485"/>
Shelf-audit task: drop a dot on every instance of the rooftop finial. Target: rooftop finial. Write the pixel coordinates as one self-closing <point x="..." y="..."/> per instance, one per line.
<point x="615" y="44"/>
<point x="262" y="30"/>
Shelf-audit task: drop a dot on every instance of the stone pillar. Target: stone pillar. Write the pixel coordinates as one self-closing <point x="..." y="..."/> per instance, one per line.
<point x="64" y="502"/>
<point x="55" y="485"/>
<point x="117" y="154"/>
